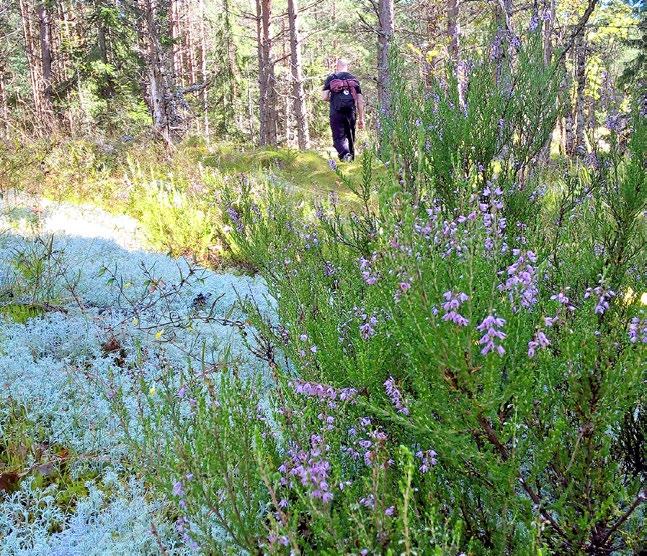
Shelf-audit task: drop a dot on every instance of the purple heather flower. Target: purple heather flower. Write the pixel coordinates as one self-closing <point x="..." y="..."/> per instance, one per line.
<point x="181" y="392"/>
<point x="178" y="489"/>
<point x="539" y="341"/>
<point x="453" y="301"/>
<point x="235" y="218"/>
<point x="561" y="299"/>
<point x="389" y="511"/>
<point x="638" y="330"/>
<point x="613" y="122"/>
<point x="367" y="329"/>
<point x="549" y="321"/>
<point x="604" y="296"/>
<point x="368" y="501"/>
<point x="491" y="326"/>
<point x="534" y="23"/>
<point x="309" y="468"/>
<point x="322" y="391"/>
<point x="521" y="283"/>
<point x="367" y="272"/>
<point x="427" y="458"/>
<point x="396" y="396"/>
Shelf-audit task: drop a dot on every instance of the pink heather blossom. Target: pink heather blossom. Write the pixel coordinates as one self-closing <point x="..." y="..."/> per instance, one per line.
<point x="539" y="341"/>
<point x="428" y="460"/>
<point x="396" y="397"/>
<point x="491" y="326"/>
<point x="453" y="301"/>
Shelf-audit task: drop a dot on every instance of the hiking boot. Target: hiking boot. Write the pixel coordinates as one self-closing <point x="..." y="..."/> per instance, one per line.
<point x="347" y="158"/>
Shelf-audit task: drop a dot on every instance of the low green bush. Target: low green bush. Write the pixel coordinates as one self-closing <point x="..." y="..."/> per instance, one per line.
<point x="458" y="365"/>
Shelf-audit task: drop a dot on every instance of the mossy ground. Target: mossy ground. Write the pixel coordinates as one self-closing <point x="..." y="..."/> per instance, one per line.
<point x="173" y="194"/>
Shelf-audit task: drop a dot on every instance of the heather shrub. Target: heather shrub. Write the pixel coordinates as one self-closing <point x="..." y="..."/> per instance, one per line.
<point x="497" y="324"/>
<point x="457" y="365"/>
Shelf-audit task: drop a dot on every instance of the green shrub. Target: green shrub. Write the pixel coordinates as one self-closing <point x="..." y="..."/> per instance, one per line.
<point x="490" y="322"/>
<point x="458" y="365"/>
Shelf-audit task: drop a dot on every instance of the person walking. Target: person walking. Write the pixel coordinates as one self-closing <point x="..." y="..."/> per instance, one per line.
<point x="344" y="93"/>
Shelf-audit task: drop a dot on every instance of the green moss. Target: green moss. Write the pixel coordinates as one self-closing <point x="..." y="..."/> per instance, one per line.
<point x="172" y="194"/>
<point x="25" y="452"/>
<point x="307" y="171"/>
<point x="21" y="313"/>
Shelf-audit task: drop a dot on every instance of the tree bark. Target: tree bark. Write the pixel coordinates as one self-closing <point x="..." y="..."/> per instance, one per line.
<point x="549" y="18"/>
<point x="453" y="31"/>
<point x="32" y="62"/>
<point x="232" y="90"/>
<point x="386" y="30"/>
<point x="176" y="41"/>
<point x="266" y="77"/>
<point x="298" y="92"/>
<point x="580" y="80"/>
<point x="162" y="99"/>
<point x="203" y="70"/>
<point x="4" y="109"/>
<point x="46" y="57"/>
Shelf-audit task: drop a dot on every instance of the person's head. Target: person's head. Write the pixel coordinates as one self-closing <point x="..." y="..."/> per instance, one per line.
<point x="342" y="64"/>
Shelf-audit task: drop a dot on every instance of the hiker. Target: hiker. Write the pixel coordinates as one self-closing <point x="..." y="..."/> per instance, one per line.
<point x="343" y="91"/>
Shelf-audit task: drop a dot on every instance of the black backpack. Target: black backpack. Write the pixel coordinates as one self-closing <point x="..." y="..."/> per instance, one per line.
<point x="343" y="92"/>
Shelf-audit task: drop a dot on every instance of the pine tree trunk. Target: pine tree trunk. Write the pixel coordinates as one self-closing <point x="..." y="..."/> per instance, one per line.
<point x="548" y="30"/>
<point x="386" y="30"/>
<point x="298" y="93"/>
<point x="191" y="47"/>
<point x="161" y="88"/>
<point x="46" y="58"/>
<point x="266" y="77"/>
<point x="453" y="31"/>
<point x="4" y="109"/>
<point x="232" y="90"/>
<point x="203" y="71"/>
<point x="32" y="62"/>
<point x="176" y="40"/>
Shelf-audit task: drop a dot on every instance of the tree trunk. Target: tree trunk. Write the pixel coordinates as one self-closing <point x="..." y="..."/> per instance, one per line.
<point x="46" y="58"/>
<point x="386" y="29"/>
<point x="176" y="40"/>
<point x="298" y="92"/>
<point x="453" y="30"/>
<point x="161" y="89"/>
<point x="549" y="18"/>
<point x="266" y="77"/>
<point x="203" y="70"/>
<point x="232" y="90"/>
<point x="580" y="80"/>
<point x="32" y="62"/>
<point x="4" y="110"/>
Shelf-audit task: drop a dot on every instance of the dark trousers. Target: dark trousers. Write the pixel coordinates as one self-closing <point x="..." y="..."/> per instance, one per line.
<point x="342" y="125"/>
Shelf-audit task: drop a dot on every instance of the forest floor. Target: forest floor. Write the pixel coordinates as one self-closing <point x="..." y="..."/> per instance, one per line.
<point x="112" y="315"/>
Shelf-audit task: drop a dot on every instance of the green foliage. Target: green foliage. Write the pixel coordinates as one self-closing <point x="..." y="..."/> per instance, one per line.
<point x="494" y="121"/>
<point x="197" y="440"/>
<point x="25" y="453"/>
<point x="454" y="363"/>
<point x="527" y="439"/>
